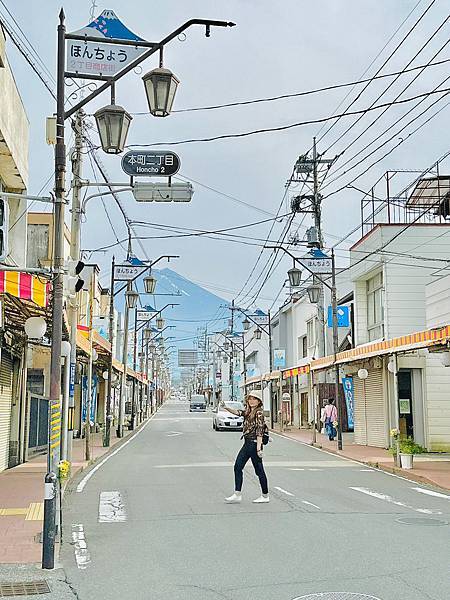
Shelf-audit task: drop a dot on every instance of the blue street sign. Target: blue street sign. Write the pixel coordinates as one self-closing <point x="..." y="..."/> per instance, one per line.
<point x="343" y="316"/>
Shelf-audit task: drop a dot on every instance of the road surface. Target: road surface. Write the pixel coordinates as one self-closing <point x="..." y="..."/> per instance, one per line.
<point x="150" y="523"/>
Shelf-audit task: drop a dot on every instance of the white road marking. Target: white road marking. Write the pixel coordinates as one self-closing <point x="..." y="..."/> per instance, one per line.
<point x="388" y="498"/>
<point x="282" y="463"/>
<point x="367" y="470"/>
<point x="310" y="504"/>
<point x="176" y="419"/>
<point x="284" y="491"/>
<point x="431" y="493"/>
<point x="111" y="508"/>
<point x="82" y="556"/>
<point x="174" y="433"/>
<point x="83" y="482"/>
<point x="314" y="469"/>
<point x="296" y="469"/>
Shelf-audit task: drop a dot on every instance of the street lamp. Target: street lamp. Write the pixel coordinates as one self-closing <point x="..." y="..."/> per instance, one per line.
<point x="35" y="327"/>
<point x="314" y="293"/>
<point x="159" y="323"/>
<point x="149" y="284"/>
<point x="258" y="333"/>
<point x="147" y="333"/>
<point x="295" y="276"/>
<point x="160" y="87"/>
<point x="246" y="324"/>
<point x="113" y="123"/>
<point x="131" y="298"/>
<point x="226" y="345"/>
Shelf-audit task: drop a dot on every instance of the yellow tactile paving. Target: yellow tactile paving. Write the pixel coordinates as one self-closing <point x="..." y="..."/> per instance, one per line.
<point x="12" y="512"/>
<point x="35" y="512"/>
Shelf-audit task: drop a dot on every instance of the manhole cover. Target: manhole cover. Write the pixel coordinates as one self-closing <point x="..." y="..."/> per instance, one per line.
<point x="337" y="596"/>
<point x="24" y="588"/>
<point x="423" y="521"/>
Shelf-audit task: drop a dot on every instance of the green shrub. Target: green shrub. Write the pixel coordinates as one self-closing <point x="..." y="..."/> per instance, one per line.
<point x="409" y="446"/>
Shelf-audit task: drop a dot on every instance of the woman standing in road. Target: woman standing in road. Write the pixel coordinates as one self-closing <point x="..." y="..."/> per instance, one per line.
<point x="253" y="430"/>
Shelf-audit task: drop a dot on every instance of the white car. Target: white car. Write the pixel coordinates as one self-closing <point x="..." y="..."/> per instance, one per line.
<point x="222" y="419"/>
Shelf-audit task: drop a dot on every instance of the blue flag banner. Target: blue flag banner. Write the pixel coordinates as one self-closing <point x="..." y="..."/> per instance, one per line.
<point x="347" y="384"/>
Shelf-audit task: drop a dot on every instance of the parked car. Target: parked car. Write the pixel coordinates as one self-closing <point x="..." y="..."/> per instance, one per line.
<point x="222" y="419"/>
<point x="198" y="403"/>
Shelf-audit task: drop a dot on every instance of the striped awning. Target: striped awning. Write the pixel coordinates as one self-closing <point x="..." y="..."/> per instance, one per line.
<point x="25" y="286"/>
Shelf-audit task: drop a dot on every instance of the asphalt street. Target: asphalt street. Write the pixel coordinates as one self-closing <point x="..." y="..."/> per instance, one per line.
<point x="151" y="523"/>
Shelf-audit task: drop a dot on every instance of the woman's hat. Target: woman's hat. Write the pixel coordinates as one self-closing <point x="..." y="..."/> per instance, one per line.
<point x="256" y="394"/>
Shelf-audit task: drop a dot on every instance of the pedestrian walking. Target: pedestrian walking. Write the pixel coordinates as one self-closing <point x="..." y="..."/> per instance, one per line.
<point x="323" y="415"/>
<point x="330" y="419"/>
<point x="253" y="430"/>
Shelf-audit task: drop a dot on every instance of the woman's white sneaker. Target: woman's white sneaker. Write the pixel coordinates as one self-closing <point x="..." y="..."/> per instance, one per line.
<point x="262" y="500"/>
<point x="233" y="499"/>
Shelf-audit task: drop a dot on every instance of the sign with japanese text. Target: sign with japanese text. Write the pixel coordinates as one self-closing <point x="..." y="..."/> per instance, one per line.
<point x="101" y="57"/>
<point x="316" y="261"/>
<point x="151" y="163"/>
<point x="128" y="272"/>
<point x="144" y="315"/>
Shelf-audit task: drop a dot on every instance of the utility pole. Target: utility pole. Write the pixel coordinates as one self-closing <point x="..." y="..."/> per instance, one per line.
<point x="87" y="431"/>
<point x="231" y="357"/>
<point x="108" y="416"/>
<point x="77" y="156"/>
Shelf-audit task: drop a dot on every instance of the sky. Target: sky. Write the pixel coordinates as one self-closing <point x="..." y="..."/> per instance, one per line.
<point x="276" y="48"/>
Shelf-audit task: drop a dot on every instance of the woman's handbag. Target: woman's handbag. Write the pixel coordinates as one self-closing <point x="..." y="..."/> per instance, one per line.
<point x="265" y="436"/>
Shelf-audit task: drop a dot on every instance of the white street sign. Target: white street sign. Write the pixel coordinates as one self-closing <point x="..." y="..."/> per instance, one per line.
<point x="144" y="315"/>
<point x="128" y="272"/>
<point x="316" y="265"/>
<point x="97" y="58"/>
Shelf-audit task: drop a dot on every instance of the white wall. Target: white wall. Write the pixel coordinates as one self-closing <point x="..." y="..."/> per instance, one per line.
<point x="437" y="405"/>
<point x="405" y="277"/>
<point x="437" y="296"/>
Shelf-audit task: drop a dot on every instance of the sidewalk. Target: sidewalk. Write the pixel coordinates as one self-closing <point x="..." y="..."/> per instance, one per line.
<point x="430" y="469"/>
<point x="21" y="501"/>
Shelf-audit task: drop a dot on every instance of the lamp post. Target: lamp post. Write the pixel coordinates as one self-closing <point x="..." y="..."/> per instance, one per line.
<point x="258" y="333"/>
<point x="314" y="293"/>
<point x="114" y="144"/>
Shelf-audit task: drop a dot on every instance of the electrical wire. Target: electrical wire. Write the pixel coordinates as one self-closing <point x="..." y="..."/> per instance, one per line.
<point x="244" y="134"/>
<point x="350" y="127"/>
<point x="399" y="45"/>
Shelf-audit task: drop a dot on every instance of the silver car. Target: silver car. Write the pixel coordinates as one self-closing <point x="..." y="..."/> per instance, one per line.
<point x="222" y="419"/>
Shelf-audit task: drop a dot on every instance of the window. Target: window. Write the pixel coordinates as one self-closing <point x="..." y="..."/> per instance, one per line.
<point x="302" y="346"/>
<point x="375" y="304"/>
<point x="311" y="335"/>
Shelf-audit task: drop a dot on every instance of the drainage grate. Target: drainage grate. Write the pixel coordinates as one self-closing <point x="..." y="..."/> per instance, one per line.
<point x="336" y="596"/>
<point x="24" y="588"/>
<point x="422" y="521"/>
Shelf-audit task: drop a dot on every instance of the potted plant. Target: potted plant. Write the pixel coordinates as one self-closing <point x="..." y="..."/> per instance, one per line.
<point x="407" y="449"/>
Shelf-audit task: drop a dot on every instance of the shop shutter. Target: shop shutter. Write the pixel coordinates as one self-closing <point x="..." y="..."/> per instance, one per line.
<point x="5" y="408"/>
<point x="370" y="410"/>
<point x="376" y="409"/>
<point x="359" y="411"/>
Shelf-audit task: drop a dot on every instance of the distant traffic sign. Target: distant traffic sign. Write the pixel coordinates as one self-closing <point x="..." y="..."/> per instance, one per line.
<point x="151" y="163"/>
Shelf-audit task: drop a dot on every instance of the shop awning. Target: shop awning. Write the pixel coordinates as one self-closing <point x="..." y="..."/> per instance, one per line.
<point x="25" y="286"/>
<point x="413" y="341"/>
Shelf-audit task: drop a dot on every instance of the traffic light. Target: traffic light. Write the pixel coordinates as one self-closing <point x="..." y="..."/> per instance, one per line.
<point x="72" y="281"/>
<point x="4" y="227"/>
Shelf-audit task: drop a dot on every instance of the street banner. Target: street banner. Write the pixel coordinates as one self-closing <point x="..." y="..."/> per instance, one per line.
<point x="279" y="358"/>
<point x="102" y="57"/>
<point x="347" y="384"/>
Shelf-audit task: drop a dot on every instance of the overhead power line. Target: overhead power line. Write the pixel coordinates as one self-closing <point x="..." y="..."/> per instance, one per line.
<point x="291" y="125"/>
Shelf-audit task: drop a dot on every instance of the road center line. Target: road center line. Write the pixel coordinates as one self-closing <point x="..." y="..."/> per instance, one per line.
<point x="391" y="500"/>
<point x="284" y="491"/>
<point x="431" y="493"/>
<point x="111" y="508"/>
<point x="310" y="504"/>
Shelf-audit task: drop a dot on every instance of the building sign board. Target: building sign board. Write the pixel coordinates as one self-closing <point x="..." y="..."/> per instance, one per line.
<point x="187" y="358"/>
<point x="151" y="163"/>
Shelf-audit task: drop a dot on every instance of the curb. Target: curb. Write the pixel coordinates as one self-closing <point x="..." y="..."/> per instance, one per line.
<point x="392" y="470"/>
